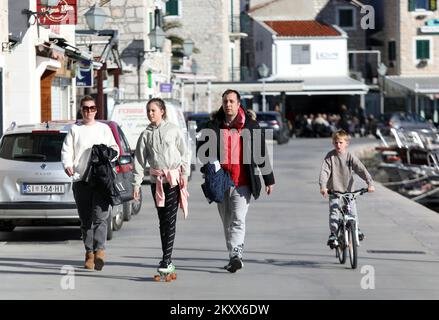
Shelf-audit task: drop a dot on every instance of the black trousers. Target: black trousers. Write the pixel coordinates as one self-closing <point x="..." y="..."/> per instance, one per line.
<point x="168" y="218"/>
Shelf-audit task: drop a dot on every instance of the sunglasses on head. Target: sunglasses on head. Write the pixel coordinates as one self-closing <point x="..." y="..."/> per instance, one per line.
<point x="89" y="108"/>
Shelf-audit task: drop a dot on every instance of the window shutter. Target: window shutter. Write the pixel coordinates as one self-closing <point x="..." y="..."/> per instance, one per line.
<point x="418" y="49"/>
<point x="412" y="5"/>
<point x="392" y="51"/>
<point x="423" y="49"/>
<point x="433" y="5"/>
<point x="172" y="8"/>
<point x="426" y="49"/>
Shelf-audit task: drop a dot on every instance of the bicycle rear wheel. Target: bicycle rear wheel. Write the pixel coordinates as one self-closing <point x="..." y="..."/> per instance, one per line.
<point x="341" y="250"/>
<point x="352" y="245"/>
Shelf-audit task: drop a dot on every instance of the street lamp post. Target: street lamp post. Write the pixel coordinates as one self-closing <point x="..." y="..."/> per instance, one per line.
<point x="263" y="73"/>
<point x="188" y="47"/>
<point x="194" y="71"/>
<point x="95" y="18"/>
<point x="382" y="70"/>
<point x="157" y="39"/>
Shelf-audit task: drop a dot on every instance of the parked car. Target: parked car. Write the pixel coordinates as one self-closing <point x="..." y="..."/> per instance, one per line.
<point x="402" y="120"/>
<point x="201" y="120"/>
<point x="132" y="118"/>
<point x="273" y="120"/>
<point x="35" y="190"/>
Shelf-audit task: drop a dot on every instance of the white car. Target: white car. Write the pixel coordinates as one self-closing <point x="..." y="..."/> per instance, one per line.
<point x="34" y="189"/>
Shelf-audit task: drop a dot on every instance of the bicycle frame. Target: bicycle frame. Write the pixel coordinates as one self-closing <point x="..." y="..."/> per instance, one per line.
<point x="348" y="239"/>
<point x="348" y="219"/>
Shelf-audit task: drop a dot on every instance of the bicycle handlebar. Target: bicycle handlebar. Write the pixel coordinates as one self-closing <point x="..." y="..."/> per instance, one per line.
<point x="360" y="191"/>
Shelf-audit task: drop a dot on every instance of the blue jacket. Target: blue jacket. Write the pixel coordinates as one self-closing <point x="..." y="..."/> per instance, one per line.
<point x="215" y="183"/>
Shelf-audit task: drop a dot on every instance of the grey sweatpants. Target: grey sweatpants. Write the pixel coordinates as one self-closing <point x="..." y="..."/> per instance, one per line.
<point x="335" y="213"/>
<point x="233" y="211"/>
<point x="93" y="213"/>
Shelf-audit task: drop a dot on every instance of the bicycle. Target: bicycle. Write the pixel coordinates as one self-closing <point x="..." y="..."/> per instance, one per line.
<point x="347" y="231"/>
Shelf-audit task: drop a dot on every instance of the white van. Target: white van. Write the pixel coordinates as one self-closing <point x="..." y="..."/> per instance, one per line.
<point x="132" y="118"/>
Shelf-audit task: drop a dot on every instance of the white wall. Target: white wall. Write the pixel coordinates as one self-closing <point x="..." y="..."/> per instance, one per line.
<point x="328" y="58"/>
<point x="22" y="101"/>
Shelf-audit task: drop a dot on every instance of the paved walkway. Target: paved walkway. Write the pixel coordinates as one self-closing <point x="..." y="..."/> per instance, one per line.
<point x="286" y="256"/>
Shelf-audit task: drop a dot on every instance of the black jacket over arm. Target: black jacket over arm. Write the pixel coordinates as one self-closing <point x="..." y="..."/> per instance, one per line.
<point x="253" y="168"/>
<point x="100" y="172"/>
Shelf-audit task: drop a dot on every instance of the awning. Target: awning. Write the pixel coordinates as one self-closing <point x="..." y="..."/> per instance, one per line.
<point x="413" y="84"/>
<point x="328" y="86"/>
<point x="304" y="86"/>
<point x="73" y="52"/>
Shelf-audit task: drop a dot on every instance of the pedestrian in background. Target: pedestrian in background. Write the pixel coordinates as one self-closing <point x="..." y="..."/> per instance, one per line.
<point x="228" y="125"/>
<point x="162" y="145"/>
<point x="91" y="203"/>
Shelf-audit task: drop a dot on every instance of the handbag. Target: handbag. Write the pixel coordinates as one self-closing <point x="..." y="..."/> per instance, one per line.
<point x="123" y="183"/>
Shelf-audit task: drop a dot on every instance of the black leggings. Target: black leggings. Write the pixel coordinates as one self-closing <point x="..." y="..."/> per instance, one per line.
<point x="168" y="218"/>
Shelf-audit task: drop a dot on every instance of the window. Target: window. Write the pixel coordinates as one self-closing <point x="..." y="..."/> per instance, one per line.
<point x="300" y="54"/>
<point x="123" y="141"/>
<point x="430" y="5"/>
<point x="422" y="49"/>
<point x="392" y="50"/>
<point x="32" y="147"/>
<point x="346" y="18"/>
<point x="172" y="7"/>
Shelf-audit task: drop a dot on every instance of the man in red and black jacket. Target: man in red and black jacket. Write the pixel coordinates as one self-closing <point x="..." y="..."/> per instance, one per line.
<point x="241" y="150"/>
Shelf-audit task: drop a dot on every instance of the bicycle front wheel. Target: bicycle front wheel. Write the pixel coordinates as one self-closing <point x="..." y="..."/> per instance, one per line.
<point x="341" y="250"/>
<point x="352" y="245"/>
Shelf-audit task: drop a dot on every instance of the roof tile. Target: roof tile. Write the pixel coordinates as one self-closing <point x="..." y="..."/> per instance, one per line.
<point x="302" y="28"/>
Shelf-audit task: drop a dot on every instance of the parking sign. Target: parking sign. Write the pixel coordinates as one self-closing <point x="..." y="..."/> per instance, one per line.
<point x="84" y="74"/>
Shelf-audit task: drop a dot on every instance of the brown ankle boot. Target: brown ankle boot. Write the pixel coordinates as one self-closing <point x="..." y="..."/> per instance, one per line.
<point x="99" y="259"/>
<point x="89" y="261"/>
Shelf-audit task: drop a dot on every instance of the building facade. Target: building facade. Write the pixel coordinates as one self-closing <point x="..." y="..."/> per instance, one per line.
<point x="308" y="42"/>
<point x="410" y="42"/>
<point x="4" y="40"/>
<point x="144" y="68"/>
<point x="38" y="77"/>
<point x="217" y="55"/>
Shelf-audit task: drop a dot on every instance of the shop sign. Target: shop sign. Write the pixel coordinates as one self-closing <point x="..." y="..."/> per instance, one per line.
<point x="64" y="13"/>
<point x="166" y="87"/>
<point x="327" y="55"/>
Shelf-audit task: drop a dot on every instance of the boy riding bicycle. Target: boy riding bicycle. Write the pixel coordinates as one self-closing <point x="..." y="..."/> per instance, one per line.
<point x="337" y="173"/>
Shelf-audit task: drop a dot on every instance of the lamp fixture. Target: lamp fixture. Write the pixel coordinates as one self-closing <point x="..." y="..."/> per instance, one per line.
<point x="95" y="18"/>
<point x="188" y="47"/>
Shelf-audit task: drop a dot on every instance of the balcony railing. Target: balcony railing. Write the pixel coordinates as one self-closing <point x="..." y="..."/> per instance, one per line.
<point x="234" y="74"/>
<point x="238" y="24"/>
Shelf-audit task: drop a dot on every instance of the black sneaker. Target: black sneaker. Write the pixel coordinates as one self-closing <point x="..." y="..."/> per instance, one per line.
<point x="332" y="240"/>
<point x="234" y="264"/>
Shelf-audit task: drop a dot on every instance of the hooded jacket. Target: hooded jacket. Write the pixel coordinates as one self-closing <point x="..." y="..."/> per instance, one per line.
<point x="163" y="147"/>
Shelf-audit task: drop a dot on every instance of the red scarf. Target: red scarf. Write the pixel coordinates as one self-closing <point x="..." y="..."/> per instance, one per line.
<point x="233" y="150"/>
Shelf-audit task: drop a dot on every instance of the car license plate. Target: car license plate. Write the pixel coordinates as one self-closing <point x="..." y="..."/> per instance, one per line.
<point x="43" y="188"/>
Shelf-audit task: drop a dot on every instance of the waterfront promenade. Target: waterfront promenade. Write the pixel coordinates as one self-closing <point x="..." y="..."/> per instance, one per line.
<point x="285" y="254"/>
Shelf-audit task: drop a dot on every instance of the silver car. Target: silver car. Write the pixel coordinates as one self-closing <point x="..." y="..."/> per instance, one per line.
<point x="34" y="189"/>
